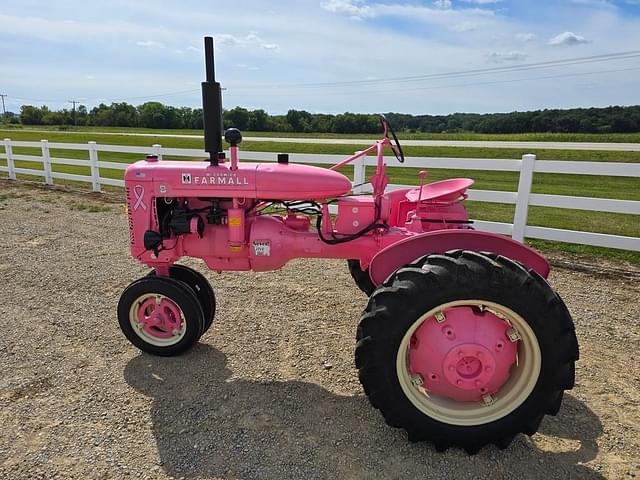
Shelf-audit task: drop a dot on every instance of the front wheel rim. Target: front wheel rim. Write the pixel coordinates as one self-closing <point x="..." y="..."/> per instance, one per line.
<point x="522" y="375"/>
<point x="157" y="320"/>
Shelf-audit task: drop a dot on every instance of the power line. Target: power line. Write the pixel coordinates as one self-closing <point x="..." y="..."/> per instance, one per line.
<point x="514" y="80"/>
<point x="469" y="84"/>
<point x="455" y="74"/>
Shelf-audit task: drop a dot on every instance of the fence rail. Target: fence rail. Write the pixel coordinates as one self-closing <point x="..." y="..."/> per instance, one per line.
<point x="527" y="166"/>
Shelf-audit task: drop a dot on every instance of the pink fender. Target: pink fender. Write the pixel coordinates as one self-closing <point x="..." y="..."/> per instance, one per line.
<point x="389" y="259"/>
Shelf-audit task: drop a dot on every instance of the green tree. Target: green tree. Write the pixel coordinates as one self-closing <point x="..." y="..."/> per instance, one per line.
<point x="258" y="121"/>
<point x="30" y="115"/>
<point x="152" y="115"/>
<point x="237" y="117"/>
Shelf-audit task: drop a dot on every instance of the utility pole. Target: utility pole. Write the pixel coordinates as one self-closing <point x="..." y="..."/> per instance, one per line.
<point x="4" y="110"/>
<point x="75" y="123"/>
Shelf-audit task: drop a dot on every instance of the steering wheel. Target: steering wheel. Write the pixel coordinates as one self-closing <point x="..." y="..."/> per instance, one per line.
<point x="395" y="144"/>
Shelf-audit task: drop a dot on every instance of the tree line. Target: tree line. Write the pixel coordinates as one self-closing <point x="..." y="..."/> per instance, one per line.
<point x="614" y="119"/>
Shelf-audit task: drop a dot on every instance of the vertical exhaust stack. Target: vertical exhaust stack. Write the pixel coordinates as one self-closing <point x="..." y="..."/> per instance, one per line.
<point x="211" y="107"/>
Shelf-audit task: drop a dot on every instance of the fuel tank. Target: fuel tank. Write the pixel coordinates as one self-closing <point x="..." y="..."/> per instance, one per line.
<point x="270" y="181"/>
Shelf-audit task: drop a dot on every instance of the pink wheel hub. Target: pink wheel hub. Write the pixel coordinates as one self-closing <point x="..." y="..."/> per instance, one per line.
<point x="160" y="318"/>
<point x="463" y="353"/>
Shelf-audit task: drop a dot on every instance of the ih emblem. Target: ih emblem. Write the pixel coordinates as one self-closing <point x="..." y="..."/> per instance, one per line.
<point x="186" y="178"/>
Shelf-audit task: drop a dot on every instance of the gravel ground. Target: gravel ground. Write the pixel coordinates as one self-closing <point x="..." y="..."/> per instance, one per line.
<point x="255" y="398"/>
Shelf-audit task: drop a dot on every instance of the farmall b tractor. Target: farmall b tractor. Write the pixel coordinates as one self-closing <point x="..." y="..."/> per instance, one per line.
<point x="462" y="341"/>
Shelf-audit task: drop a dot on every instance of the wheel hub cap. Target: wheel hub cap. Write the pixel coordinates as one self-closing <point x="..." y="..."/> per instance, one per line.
<point x="463" y="353"/>
<point x="159" y="317"/>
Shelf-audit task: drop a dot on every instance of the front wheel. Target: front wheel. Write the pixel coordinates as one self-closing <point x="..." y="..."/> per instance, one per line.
<point x="361" y="277"/>
<point x="480" y="358"/>
<point x="161" y="316"/>
<point x="200" y="286"/>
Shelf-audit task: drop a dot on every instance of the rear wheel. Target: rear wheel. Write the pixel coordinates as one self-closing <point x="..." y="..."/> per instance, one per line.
<point x="484" y="356"/>
<point x="161" y="316"/>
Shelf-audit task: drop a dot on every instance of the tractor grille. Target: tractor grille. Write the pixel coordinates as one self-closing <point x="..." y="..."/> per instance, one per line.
<point x="132" y="238"/>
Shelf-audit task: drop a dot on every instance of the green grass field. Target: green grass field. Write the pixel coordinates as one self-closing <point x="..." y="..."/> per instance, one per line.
<point x="538" y="137"/>
<point x="607" y="187"/>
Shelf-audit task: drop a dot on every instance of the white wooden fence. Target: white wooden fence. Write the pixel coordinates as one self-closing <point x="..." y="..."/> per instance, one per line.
<point x="527" y="166"/>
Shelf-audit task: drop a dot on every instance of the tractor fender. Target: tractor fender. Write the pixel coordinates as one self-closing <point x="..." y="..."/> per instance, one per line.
<point x="390" y="258"/>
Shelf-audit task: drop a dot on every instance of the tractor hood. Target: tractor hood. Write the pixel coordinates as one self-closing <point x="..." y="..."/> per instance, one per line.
<point x="270" y="181"/>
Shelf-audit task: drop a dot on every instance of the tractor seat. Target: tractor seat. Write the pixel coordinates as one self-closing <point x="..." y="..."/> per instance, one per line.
<point x="444" y="191"/>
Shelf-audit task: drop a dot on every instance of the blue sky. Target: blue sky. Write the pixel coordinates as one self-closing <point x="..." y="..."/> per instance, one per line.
<point x="273" y="55"/>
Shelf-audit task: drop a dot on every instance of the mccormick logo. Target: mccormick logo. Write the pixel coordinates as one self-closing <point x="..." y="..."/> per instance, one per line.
<point x="215" y="179"/>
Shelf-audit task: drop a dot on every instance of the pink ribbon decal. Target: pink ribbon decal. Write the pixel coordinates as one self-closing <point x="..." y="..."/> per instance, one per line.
<point x="138" y="191"/>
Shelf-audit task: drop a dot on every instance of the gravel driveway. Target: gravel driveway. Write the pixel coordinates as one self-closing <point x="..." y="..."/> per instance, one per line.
<point x="271" y="391"/>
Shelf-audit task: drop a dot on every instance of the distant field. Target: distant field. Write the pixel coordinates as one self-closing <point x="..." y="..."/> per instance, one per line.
<point x="609" y="187"/>
<point x="538" y="137"/>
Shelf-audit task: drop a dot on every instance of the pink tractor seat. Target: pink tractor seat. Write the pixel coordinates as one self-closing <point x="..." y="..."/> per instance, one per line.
<point x="444" y="191"/>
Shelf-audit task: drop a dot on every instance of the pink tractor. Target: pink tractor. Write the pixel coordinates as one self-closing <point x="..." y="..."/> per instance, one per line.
<point x="462" y="341"/>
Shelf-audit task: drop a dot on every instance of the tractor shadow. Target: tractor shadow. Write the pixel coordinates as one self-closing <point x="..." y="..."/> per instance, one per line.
<point x="207" y="424"/>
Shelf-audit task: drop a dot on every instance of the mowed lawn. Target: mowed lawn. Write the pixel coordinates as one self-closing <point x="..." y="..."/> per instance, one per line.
<point x="538" y="137"/>
<point x="625" y="188"/>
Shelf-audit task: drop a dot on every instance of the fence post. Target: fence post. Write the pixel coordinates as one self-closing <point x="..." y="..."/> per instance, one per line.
<point x="522" y="198"/>
<point x="8" y="150"/>
<point x="358" y="174"/>
<point x="46" y="162"/>
<point x="157" y="150"/>
<point x="95" y="169"/>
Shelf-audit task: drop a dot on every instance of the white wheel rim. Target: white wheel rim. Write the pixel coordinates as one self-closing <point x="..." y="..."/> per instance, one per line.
<point x="522" y="379"/>
<point x="138" y="326"/>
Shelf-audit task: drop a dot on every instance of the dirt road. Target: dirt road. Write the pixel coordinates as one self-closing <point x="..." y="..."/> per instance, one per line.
<point x="255" y="399"/>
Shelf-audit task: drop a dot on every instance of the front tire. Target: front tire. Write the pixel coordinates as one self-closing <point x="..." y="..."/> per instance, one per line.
<point x="483" y="356"/>
<point x="361" y="277"/>
<point x="160" y="316"/>
<point x="201" y="287"/>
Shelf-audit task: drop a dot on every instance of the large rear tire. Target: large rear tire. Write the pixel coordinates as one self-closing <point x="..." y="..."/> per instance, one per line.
<point x="466" y="349"/>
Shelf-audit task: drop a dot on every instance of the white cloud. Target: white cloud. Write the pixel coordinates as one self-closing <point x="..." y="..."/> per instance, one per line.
<point x="465" y="27"/>
<point x="482" y="2"/>
<point x="513" y="56"/>
<point x="250" y="40"/>
<point x="65" y="30"/>
<point x="441" y="13"/>
<point x="150" y="43"/>
<point x="525" y="37"/>
<point x="567" y="39"/>
<point x="245" y="66"/>
<point x="354" y="8"/>
<point x="594" y="3"/>
<point x="442" y="4"/>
